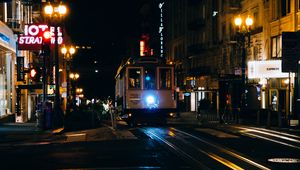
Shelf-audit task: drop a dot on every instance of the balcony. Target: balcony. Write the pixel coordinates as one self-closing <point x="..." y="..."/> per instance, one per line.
<point x="196" y="24"/>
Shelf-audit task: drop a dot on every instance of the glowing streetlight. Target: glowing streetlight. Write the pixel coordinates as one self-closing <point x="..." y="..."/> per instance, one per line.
<point x="68" y="52"/>
<point x="243" y="25"/>
<point x="238" y="21"/>
<point x="60" y="10"/>
<point x="48" y="9"/>
<point x="74" y="76"/>
<point x="249" y="21"/>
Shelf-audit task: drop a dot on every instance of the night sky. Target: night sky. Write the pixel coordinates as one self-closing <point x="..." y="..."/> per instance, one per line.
<point x="108" y="28"/>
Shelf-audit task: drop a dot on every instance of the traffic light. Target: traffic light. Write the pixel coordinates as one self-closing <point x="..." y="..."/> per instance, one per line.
<point x="35" y="74"/>
<point x="46" y="43"/>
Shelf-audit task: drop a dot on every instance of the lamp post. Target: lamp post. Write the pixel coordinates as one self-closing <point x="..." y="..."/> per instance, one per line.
<point x="74" y="77"/>
<point x="68" y="55"/>
<point x="79" y="93"/>
<point x="243" y="32"/>
<point x="55" y="15"/>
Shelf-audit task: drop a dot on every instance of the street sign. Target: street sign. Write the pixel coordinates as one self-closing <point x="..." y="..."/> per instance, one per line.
<point x="290" y="50"/>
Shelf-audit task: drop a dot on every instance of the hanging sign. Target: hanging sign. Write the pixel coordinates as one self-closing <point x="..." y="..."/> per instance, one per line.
<point x="20" y="68"/>
<point x="33" y="36"/>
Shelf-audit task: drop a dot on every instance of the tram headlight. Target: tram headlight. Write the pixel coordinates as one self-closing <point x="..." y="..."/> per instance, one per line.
<point x="151" y="101"/>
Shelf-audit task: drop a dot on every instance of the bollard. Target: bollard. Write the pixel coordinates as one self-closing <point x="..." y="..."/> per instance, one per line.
<point x="113" y="118"/>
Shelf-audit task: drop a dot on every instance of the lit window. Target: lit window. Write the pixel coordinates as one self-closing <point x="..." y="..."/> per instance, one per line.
<point x="165" y="78"/>
<point x="149" y="78"/>
<point x="276" y="47"/>
<point x="134" y="78"/>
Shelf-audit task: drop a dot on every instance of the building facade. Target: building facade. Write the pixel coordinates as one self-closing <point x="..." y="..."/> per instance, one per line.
<point x="206" y="47"/>
<point x="20" y="94"/>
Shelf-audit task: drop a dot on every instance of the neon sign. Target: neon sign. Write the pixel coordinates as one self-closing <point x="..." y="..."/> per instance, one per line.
<point x="160" y="30"/>
<point x="32" y="38"/>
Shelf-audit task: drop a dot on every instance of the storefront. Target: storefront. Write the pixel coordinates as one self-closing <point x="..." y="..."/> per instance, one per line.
<point x="275" y="88"/>
<point x="202" y="88"/>
<point x="7" y="70"/>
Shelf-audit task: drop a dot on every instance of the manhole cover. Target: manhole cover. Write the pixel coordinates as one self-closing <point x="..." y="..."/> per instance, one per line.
<point x="284" y="160"/>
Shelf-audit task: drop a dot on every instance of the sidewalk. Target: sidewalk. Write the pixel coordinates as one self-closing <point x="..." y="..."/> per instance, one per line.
<point x="213" y="121"/>
<point x="20" y="132"/>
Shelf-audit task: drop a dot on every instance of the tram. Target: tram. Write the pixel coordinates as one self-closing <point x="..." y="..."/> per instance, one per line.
<point x="145" y="91"/>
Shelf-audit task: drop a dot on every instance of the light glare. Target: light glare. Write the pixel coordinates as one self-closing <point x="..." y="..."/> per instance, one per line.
<point x="62" y="9"/>
<point x="72" y="50"/>
<point x="48" y="9"/>
<point x="150" y="100"/>
<point x="64" y="50"/>
<point x="249" y="21"/>
<point x="238" y="21"/>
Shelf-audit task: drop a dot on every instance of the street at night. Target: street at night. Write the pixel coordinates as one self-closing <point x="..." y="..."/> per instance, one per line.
<point x="150" y="84"/>
<point x="183" y="143"/>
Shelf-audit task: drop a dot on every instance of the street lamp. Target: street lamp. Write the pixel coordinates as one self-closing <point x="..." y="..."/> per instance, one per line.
<point x="79" y="90"/>
<point x="68" y="55"/>
<point x="243" y="32"/>
<point x="79" y="93"/>
<point x="74" y="77"/>
<point x="55" y="13"/>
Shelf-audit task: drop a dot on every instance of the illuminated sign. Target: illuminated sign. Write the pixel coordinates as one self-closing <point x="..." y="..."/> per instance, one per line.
<point x="144" y="45"/>
<point x="161" y="27"/>
<point x="142" y="48"/>
<point x="4" y="38"/>
<point x="33" y="36"/>
<point x="265" y="69"/>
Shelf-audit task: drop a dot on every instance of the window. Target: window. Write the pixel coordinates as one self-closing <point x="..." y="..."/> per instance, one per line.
<point x="273" y="99"/>
<point x="165" y="78"/>
<point x="274" y="10"/>
<point x="280" y="8"/>
<point x="276" y="47"/>
<point x="150" y="78"/>
<point x="256" y="17"/>
<point x="134" y="78"/>
<point x="285" y="7"/>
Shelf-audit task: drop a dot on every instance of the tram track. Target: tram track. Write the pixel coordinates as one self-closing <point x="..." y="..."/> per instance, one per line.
<point x="281" y="138"/>
<point x="201" y="153"/>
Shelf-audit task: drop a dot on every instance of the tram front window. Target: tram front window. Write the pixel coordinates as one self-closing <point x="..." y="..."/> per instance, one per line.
<point x="134" y="76"/>
<point x="149" y="78"/>
<point x="165" y="78"/>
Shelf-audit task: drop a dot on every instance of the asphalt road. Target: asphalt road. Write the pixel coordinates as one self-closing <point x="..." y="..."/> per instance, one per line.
<point x="182" y="144"/>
